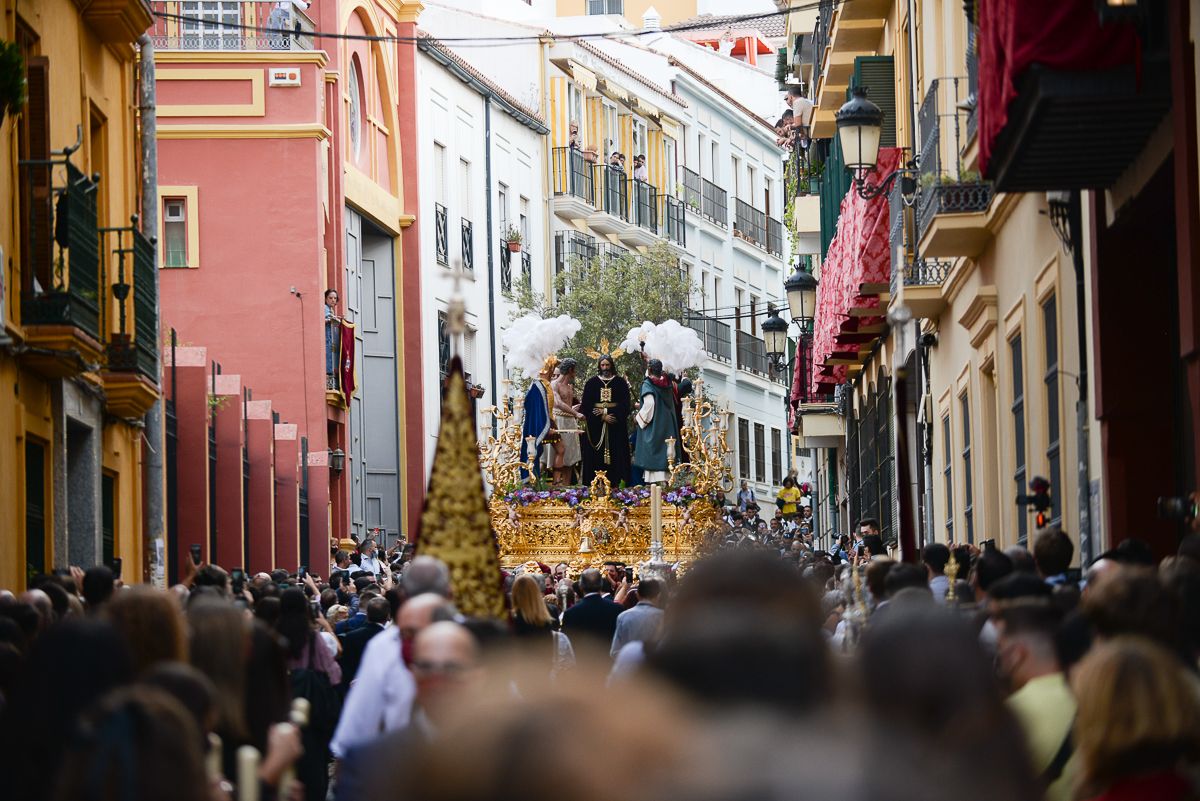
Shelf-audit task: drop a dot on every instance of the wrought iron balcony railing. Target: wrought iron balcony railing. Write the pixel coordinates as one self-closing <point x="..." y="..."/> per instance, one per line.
<point x="527" y="269"/>
<point x="505" y="268"/>
<point x="714" y="333"/>
<point x="441" y="234"/>
<point x="614" y="191"/>
<point x="691" y="183"/>
<point x="468" y="245"/>
<point x="645" y="205"/>
<point x="945" y="187"/>
<point x="752" y="354"/>
<point x="920" y="273"/>
<point x="750" y="223"/>
<point x="573" y="175"/>
<point x="674" y="220"/>
<point x="226" y="25"/>
<point x="135" y="351"/>
<point x="774" y="237"/>
<point x="61" y="258"/>
<point x="714" y="202"/>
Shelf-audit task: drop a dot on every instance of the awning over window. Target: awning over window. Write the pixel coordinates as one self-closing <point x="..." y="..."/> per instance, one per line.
<point x="859" y="254"/>
<point x="1059" y="35"/>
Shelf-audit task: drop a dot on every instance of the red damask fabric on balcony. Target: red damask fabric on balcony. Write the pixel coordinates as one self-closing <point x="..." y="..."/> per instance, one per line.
<point x="859" y="254"/>
<point x="1058" y="34"/>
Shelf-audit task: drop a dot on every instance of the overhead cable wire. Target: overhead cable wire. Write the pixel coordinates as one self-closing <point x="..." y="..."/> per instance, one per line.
<point x="487" y="41"/>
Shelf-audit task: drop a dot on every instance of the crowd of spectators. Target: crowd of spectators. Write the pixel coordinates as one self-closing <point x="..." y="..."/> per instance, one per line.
<point x="973" y="672"/>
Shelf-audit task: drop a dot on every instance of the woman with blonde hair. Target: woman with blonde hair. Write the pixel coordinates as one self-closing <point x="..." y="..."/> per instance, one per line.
<point x="532" y="624"/>
<point x="1138" y="726"/>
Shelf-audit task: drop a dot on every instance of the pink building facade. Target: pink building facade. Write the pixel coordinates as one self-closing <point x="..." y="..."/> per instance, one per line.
<point x="283" y="175"/>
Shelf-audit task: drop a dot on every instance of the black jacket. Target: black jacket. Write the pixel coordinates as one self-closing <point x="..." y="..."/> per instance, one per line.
<point x="354" y="642"/>
<point x="594" y="616"/>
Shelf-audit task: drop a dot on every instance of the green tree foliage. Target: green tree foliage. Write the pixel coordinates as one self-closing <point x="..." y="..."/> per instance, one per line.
<point x="609" y="296"/>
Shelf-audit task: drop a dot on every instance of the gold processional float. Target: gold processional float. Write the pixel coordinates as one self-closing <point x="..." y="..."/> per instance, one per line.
<point x="476" y="534"/>
<point x="587" y="526"/>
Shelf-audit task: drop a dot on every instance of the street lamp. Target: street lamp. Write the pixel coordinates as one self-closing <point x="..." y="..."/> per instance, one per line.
<point x="860" y="128"/>
<point x="801" y="290"/>
<point x="775" y="338"/>
<point x="337" y="460"/>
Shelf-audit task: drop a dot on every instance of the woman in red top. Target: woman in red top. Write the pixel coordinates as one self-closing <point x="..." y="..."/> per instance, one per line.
<point x="1138" y="727"/>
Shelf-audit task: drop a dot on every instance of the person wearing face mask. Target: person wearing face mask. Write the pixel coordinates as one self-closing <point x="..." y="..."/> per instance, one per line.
<point x="605" y="406"/>
<point x="1041" y="698"/>
<point x="381" y="697"/>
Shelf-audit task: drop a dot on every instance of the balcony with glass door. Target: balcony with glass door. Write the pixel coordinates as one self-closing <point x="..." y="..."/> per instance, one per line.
<point x="643" y="213"/>
<point x="714" y="202"/>
<point x="574" y="184"/>
<point x="674" y="220"/>
<point x="613" y="214"/>
<point x="752" y="355"/>
<point x="247" y="25"/>
<point x="61" y="296"/>
<point x="715" y="334"/>
<point x="749" y="224"/>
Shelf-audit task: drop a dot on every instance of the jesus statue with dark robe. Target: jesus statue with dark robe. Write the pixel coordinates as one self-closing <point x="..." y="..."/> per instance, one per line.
<point x="606" y="405"/>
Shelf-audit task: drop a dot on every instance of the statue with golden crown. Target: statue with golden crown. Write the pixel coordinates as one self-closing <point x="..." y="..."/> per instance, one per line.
<point x="605" y="519"/>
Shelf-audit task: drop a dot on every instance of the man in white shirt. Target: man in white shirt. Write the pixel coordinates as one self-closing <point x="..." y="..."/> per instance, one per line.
<point x="802" y="111"/>
<point x="381" y="696"/>
<point x="369" y="559"/>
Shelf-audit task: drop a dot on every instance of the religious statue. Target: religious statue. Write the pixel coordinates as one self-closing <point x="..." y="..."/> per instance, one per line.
<point x="657" y="422"/>
<point x="566" y="453"/>
<point x="606" y="405"/>
<point x="538" y="429"/>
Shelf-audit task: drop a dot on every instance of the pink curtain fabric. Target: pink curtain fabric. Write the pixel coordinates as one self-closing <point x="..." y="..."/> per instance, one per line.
<point x="1059" y="34"/>
<point x="858" y="254"/>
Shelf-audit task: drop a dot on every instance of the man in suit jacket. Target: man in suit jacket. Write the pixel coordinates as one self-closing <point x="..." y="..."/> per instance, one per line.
<point x="642" y="622"/>
<point x="355" y="642"/>
<point x="595" y="616"/>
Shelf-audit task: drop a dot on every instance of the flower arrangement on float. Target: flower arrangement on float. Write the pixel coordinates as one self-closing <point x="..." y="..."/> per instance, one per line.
<point x="628" y="497"/>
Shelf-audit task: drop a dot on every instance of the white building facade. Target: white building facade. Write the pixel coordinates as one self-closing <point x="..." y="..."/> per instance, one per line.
<point x="482" y="154"/>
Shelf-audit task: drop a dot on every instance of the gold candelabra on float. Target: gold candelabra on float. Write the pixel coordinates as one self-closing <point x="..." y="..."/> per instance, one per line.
<point x="705" y="445"/>
<point x="500" y="453"/>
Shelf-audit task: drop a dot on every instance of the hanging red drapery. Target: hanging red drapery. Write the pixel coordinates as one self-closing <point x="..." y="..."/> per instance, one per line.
<point x="1059" y="35"/>
<point x="859" y="254"/>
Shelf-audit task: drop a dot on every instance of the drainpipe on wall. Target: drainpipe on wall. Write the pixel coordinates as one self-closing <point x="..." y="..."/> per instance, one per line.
<point x="155" y="511"/>
<point x="491" y="246"/>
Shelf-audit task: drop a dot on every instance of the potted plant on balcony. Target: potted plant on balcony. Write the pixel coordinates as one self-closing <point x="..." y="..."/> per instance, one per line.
<point x="513" y="237"/>
<point x="12" y="79"/>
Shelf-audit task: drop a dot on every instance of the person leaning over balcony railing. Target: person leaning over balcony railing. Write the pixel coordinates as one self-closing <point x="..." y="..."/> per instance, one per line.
<point x="640" y="172"/>
<point x="802" y="111"/>
<point x="333" y="338"/>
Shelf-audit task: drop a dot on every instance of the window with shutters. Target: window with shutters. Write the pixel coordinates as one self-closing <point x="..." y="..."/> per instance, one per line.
<point x="1018" y="418"/>
<point x="760" y="452"/>
<point x="743" y="445"/>
<point x="33" y="145"/>
<point x="968" y="490"/>
<point x="878" y="75"/>
<point x="948" y="477"/>
<point x="606" y="7"/>
<point x="776" y="456"/>
<point x="1053" y="423"/>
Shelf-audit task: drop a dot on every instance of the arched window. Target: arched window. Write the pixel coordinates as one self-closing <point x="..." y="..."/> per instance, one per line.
<point x="356" y="110"/>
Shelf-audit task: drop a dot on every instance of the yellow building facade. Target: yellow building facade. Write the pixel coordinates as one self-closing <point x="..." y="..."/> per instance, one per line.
<point x="944" y="419"/>
<point x="78" y="317"/>
<point x="671" y="11"/>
